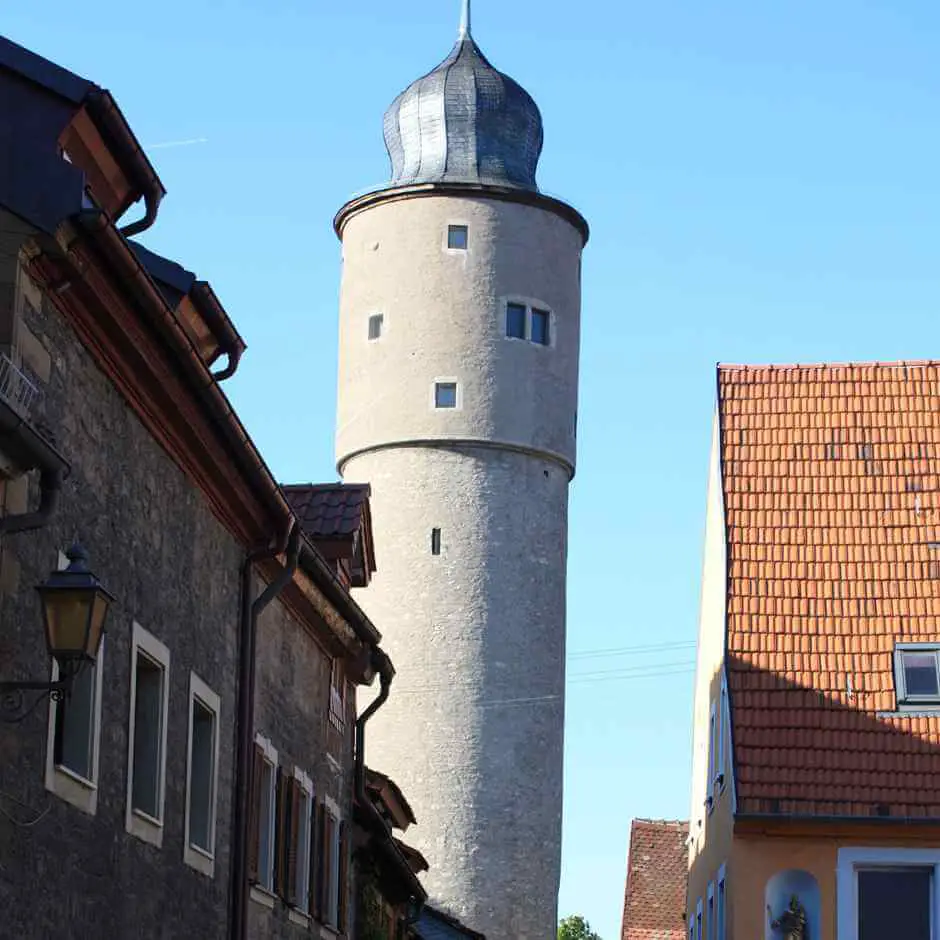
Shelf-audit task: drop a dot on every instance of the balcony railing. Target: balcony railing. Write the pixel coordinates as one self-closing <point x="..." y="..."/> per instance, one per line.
<point x="16" y="390"/>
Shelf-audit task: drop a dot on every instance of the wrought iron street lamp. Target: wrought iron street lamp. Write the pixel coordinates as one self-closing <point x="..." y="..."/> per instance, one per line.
<point x="74" y="608"/>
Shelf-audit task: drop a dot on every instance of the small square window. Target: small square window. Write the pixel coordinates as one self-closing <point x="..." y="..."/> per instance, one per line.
<point x="457" y="236"/>
<point x="541" y="320"/>
<point x="918" y="674"/>
<point x="376" y="321"/>
<point x="515" y="321"/>
<point x="445" y="394"/>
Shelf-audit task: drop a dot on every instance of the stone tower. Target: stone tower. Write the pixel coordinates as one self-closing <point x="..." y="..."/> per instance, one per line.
<point x="457" y="402"/>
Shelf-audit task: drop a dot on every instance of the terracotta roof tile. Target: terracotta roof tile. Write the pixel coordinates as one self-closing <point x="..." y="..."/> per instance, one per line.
<point x="657" y="871"/>
<point x="831" y="478"/>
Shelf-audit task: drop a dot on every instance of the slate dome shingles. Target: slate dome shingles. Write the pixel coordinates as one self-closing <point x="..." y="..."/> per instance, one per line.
<point x="464" y="122"/>
<point x="831" y="480"/>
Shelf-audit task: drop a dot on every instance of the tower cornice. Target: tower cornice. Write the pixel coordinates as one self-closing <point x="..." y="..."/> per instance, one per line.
<point x="462" y="190"/>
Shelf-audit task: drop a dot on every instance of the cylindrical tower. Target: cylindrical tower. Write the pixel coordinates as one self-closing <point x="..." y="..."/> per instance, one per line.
<point x="457" y="402"/>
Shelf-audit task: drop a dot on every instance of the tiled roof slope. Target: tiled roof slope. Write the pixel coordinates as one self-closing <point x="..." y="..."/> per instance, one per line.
<point x="832" y="503"/>
<point x="657" y="873"/>
<point x="330" y="510"/>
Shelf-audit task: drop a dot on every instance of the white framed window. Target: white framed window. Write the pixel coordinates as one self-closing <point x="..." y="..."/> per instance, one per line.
<point x="710" y="920"/>
<point x="528" y="320"/>
<point x="331" y="862"/>
<point x="917" y="673"/>
<point x="721" y="909"/>
<point x="721" y="735"/>
<point x="202" y="776"/>
<point x="73" y="736"/>
<point x="458" y="237"/>
<point x="146" y="753"/>
<point x="445" y="393"/>
<point x="712" y="752"/>
<point x="303" y="834"/>
<point x="266" y="803"/>
<point x="887" y="892"/>
<point x="376" y="326"/>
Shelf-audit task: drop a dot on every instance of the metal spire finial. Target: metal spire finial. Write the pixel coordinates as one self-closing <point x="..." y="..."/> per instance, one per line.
<point x="465" y="20"/>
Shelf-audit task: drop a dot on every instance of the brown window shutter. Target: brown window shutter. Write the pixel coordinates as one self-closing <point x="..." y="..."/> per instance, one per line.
<point x="281" y="832"/>
<point x="343" y="886"/>
<point x="317" y="862"/>
<point x="254" y="813"/>
<point x="293" y="848"/>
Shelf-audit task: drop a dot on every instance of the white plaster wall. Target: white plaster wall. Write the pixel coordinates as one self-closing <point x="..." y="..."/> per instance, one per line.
<point x="473" y="731"/>
<point x="711" y="649"/>
<point x="444" y="316"/>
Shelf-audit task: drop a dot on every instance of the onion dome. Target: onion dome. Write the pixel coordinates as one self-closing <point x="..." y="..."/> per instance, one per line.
<point x="464" y="122"/>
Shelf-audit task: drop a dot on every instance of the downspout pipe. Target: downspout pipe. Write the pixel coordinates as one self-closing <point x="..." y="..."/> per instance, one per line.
<point x="251" y="610"/>
<point x="29" y="449"/>
<point x="383" y="666"/>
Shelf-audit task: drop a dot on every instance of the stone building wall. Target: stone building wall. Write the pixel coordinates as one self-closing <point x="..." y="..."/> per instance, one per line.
<point x="291" y="711"/>
<point x="173" y="569"/>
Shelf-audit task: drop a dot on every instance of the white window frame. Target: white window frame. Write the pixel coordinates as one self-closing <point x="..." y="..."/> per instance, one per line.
<point x="447" y="380"/>
<point x="336" y="713"/>
<point x="723" y="718"/>
<point x="203" y="860"/>
<point x="710" y="917"/>
<point x="303" y="850"/>
<point x="903" y="699"/>
<point x="331" y="914"/>
<point x="853" y="860"/>
<point x="138" y="823"/>
<point x="710" y="788"/>
<point x="79" y="791"/>
<point x="721" y="904"/>
<point x="266" y="879"/>
<point x="445" y="244"/>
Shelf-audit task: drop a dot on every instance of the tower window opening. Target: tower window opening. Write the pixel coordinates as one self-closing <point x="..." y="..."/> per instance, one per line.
<point x="435" y="541"/>
<point x="457" y="237"/>
<point x="515" y="321"/>
<point x="376" y="322"/>
<point x="445" y="394"/>
<point x="540" y="327"/>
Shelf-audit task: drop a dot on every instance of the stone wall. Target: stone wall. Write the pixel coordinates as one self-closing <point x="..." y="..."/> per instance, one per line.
<point x="175" y="570"/>
<point x="291" y="711"/>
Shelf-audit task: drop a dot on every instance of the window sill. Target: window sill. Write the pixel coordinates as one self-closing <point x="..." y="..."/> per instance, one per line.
<point x="330" y="933"/>
<point x="73" y="788"/>
<point x="145" y="827"/>
<point x="200" y="860"/>
<point x="298" y="917"/>
<point x="263" y="897"/>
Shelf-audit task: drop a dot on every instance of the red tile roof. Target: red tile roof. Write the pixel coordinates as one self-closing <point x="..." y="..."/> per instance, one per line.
<point x="657" y="871"/>
<point x="328" y="510"/>
<point x="832" y="503"/>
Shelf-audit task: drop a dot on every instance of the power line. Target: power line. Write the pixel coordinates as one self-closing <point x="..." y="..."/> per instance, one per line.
<point x="624" y="650"/>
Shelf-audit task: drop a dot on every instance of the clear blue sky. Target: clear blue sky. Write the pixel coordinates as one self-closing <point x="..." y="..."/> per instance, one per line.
<point x="762" y="185"/>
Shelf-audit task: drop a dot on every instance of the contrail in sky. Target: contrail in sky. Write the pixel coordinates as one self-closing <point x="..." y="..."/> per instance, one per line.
<point x="177" y="143"/>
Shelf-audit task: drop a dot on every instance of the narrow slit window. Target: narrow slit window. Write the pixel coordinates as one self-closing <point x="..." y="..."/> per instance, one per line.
<point x="457" y="237"/>
<point x="435" y="541"/>
<point x="376" y="322"/>
<point x="445" y="394"/>
<point x="541" y="326"/>
<point x="515" y="321"/>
